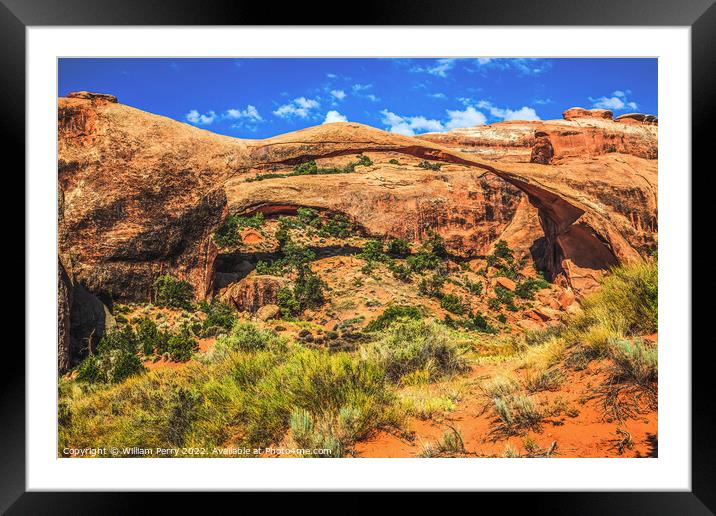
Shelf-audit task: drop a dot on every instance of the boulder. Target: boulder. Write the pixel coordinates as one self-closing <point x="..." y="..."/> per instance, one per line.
<point x="253" y="292"/>
<point x="268" y="312"/>
<point x="506" y="283"/>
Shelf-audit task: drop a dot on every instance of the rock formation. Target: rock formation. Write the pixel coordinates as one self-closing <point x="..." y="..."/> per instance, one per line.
<point x="141" y="195"/>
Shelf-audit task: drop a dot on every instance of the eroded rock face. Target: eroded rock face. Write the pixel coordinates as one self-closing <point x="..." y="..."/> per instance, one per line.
<point x="253" y="292"/>
<point x="141" y="195"/>
<point x="82" y="320"/>
<point x="577" y="112"/>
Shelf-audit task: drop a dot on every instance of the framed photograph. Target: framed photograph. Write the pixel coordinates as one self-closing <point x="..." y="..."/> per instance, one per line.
<point x="446" y="248"/>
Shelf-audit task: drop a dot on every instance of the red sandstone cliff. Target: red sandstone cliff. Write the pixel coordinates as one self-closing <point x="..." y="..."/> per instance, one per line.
<point x="141" y="194"/>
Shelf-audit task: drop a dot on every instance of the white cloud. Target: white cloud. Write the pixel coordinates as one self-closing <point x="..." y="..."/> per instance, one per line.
<point x="372" y="97"/>
<point x="361" y="87"/>
<point x="299" y="107"/>
<point x="334" y="116"/>
<point x="408" y="125"/>
<point x="250" y="113"/>
<point x="521" y="66"/>
<point x="331" y="76"/>
<point x="524" y="113"/>
<point x="197" y="118"/>
<point x="440" y="68"/>
<point x="437" y="95"/>
<point x="339" y="94"/>
<point x="467" y="118"/>
<point x="617" y="102"/>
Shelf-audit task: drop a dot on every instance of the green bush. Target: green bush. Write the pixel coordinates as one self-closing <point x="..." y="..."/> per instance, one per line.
<point x="395" y="313"/>
<point x="172" y="292"/>
<point x="181" y="345"/>
<point x="363" y="161"/>
<point x="398" y="248"/>
<point x="307" y="168"/>
<point x="336" y="226"/>
<point x="308" y="217"/>
<point x="452" y="303"/>
<point x="635" y="362"/>
<point x="122" y="338"/>
<point x="90" y="370"/>
<point x="474" y="287"/>
<point x="629" y="297"/>
<point x="526" y="289"/>
<point x="416" y="345"/>
<point x="400" y="272"/>
<point x="111" y="366"/>
<point x="432" y="286"/>
<point x="151" y="339"/>
<point x="373" y="251"/>
<point x="429" y="166"/>
<point x="219" y="316"/>
<point x="394" y="162"/>
<point x="248" y="337"/>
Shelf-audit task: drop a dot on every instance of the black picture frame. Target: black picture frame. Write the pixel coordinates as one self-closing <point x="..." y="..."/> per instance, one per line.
<point x="700" y="15"/>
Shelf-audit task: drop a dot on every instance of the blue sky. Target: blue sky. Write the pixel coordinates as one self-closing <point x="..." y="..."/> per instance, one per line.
<point x="258" y="98"/>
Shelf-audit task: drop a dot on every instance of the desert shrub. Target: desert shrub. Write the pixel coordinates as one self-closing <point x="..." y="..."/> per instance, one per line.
<point x="628" y="299"/>
<point x="635" y="362"/>
<point x="395" y="313"/>
<point x="219" y="315"/>
<point x="123" y="338"/>
<point x="526" y="289"/>
<point x="226" y="235"/>
<point x="501" y="318"/>
<point x="452" y="303"/>
<point x="500" y="387"/>
<point x="336" y="226"/>
<point x="429" y="166"/>
<point x="172" y="292"/>
<point x="373" y="251"/>
<point x="432" y="286"/>
<point x="544" y="380"/>
<point x="111" y="366"/>
<point x="414" y="345"/>
<point x="325" y="386"/>
<point x="90" y="370"/>
<point x="451" y="444"/>
<point x="181" y="345"/>
<point x="296" y="256"/>
<point x="287" y="302"/>
<point x="503" y="251"/>
<point x="151" y="339"/>
<point x="400" y="271"/>
<point x="423" y="405"/>
<point x="422" y="261"/>
<point x="248" y="337"/>
<point x="480" y="323"/>
<point x="494" y="304"/>
<point x="309" y="289"/>
<point x="394" y="162"/>
<point x="307" y="168"/>
<point x="474" y="287"/>
<point x="363" y="161"/>
<point x="308" y="217"/>
<point x="516" y="414"/>
<point x="435" y="245"/>
<point x="398" y="247"/>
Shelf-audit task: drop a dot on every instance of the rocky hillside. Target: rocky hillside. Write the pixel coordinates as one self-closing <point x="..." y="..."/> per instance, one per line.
<point x="142" y="195"/>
